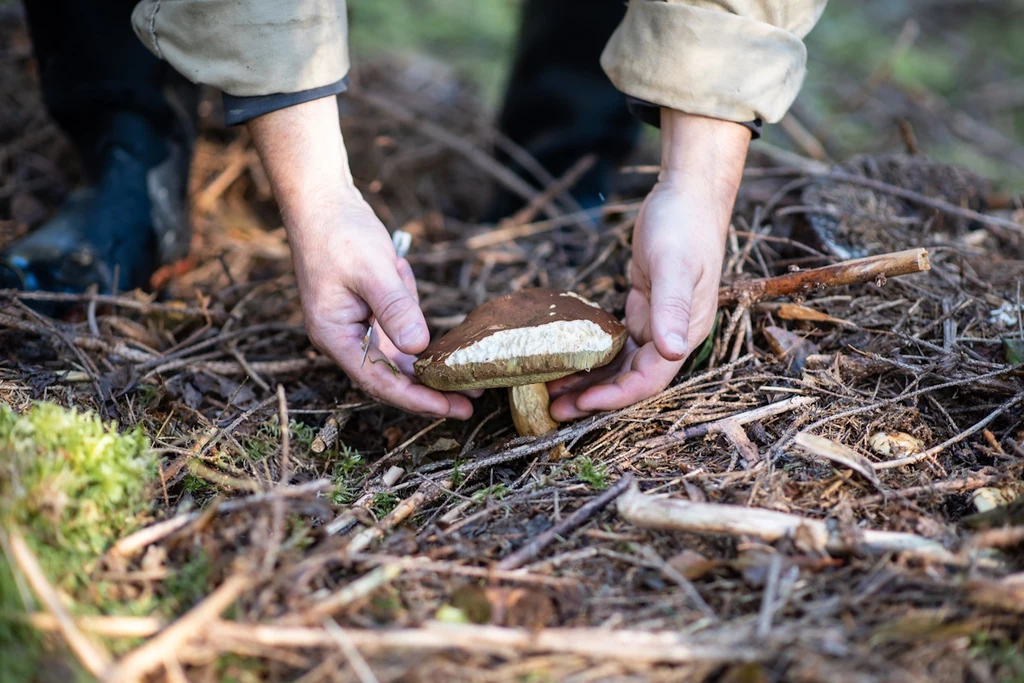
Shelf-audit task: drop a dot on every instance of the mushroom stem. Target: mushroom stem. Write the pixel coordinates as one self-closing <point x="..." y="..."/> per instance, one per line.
<point x="530" y="414"/>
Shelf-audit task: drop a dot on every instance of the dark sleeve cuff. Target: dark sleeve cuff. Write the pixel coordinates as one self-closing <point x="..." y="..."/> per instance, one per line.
<point x="650" y="113"/>
<point x="241" y="109"/>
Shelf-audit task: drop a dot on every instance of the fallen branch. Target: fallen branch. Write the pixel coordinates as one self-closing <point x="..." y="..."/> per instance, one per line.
<point x="598" y="643"/>
<point x="673" y="514"/>
<point x="566" y="526"/>
<point x="803" y="282"/>
<point x="123" y="301"/>
<point x="328" y="436"/>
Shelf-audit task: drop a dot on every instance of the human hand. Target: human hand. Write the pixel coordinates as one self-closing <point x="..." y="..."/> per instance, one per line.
<point x="345" y="263"/>
<point x="678" y="249"/>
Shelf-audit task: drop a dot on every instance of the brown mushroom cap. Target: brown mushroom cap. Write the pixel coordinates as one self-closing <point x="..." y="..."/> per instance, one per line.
<point x="527" y="337"/>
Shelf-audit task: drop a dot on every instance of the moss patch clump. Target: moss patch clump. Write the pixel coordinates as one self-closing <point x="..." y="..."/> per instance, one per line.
<point x="73" y="484"/>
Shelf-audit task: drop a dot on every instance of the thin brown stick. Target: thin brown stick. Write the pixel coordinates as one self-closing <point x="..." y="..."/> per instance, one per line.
<point x="351" y="651"/>
<point x="952" y="486"/>
<point x="346" y="595"/>
<point x="91" y="654"/>
<point x="696" y="431"/>
<point x="111" y="627"/>
<point x="529" y="551"/>
<point x="427" y="492"/>
<point x="129" y="545"/>
<point x="146" y="658"/>
<point x="563" y="184"/>
<point x="802" y="282"/>
<point x="122" y="301"/>
<point x="598" y="643"/>
<point x="650" y="512"/>
<point x="426" y="565"/>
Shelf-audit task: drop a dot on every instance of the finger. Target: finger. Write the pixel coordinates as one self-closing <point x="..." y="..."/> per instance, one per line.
<point x="648" y="374"/>
<point x="638" y="316"/>
<point x="380" y="378"/>
<point x="408" y="278"/>
<point x="579" y="381"/>
<point x="395" y="309"/>
<point x="672" y="287"/>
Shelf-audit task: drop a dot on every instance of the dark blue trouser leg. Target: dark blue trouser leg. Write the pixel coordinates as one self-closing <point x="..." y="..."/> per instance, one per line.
<point x="559" y="105"/>
<point x="131" y="119"/>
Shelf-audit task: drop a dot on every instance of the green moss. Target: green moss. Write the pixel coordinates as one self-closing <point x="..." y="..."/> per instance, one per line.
<point x="344" y="473"/>
<point x="383" y="503"/>
<point x="72" y="481"/>
<point x="267" y="438"/>
<point x="590" y="473"/>
<point x="72" y="484"/>
<point x="497" y="492"/>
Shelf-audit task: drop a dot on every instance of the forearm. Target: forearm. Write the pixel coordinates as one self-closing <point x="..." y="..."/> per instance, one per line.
<point x="703" y="156"/>
<point x="304" y="155"/>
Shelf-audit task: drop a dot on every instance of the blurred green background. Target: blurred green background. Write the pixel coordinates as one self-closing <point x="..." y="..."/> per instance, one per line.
<point x="952" y="69"/>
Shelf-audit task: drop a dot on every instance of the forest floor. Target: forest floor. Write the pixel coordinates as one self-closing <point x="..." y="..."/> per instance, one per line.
<point x="828" y="491"/>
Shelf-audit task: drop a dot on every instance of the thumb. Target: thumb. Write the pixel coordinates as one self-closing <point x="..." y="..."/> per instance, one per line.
<point x="672" y="286"/>
<point x="395" y="309"/>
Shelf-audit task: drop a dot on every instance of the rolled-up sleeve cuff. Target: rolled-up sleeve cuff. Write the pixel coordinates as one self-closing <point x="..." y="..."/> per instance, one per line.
<point x="705" y="61"/>
<point x="248" y="49"/>
<point x="650" y="113"/>
<point x="238" y="110"/>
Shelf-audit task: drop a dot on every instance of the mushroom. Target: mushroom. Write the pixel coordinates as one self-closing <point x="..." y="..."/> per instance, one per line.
<point x="521" y="341"/>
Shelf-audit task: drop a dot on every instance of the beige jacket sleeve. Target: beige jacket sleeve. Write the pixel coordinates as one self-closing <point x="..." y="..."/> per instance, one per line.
<point x="737" y="60"/>
<point x="248" y="47"/>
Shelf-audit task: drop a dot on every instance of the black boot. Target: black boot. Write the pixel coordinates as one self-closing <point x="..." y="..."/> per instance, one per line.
<point x="559" y="104"/>
<point x="132" y="121"/>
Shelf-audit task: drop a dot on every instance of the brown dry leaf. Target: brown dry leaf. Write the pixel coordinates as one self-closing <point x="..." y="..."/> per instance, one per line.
<point x="798" y="312"/>
<point x="692" y="564"/>
<point x="392" y="436"/>
<point x="838" y="453"/>
<point x="790" y="348"/>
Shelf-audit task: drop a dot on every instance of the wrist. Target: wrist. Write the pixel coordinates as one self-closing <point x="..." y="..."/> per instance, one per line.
<point x="711" y="152"/>
<point x="304" y="154"/>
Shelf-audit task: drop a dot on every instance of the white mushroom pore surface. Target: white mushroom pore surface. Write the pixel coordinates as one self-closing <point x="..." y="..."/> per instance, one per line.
<point x="563" y="336"/>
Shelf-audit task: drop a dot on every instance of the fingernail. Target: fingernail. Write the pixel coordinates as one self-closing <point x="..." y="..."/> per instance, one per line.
<point x="675" y="343"/>
<point x="409" y="335"/>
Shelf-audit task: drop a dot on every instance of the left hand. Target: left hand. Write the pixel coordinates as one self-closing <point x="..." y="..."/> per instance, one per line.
<point x="678" y="250"/>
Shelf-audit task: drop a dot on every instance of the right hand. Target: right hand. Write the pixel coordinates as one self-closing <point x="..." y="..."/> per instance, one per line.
<point x="348" y="272"/>
<point x="345" y="262"/>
